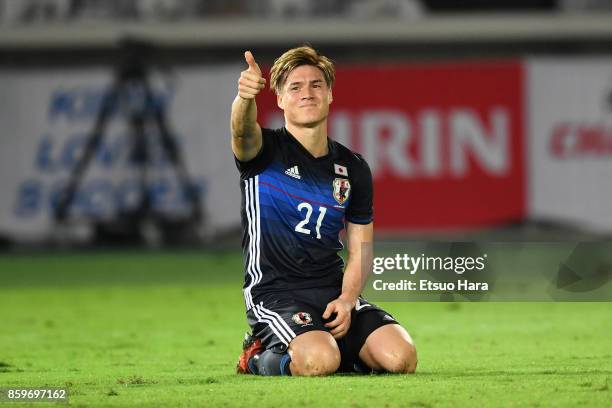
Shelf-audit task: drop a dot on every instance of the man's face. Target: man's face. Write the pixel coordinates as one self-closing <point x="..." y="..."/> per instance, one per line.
<point x="305" y="96"/>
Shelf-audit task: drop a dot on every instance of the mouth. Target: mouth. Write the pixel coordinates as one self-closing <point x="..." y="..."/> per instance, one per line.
<point x="310" y="105"/>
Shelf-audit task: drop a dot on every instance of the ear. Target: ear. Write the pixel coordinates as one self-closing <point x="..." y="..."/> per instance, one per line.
<point x="331" y="97"/>
<point x="279" y="101"/>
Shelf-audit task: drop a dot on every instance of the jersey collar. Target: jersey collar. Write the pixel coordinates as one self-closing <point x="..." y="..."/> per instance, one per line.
<point x="331" y="149"/>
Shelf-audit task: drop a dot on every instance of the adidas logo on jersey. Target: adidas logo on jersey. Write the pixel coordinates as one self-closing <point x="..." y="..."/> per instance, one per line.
<point x="293" y="172"/>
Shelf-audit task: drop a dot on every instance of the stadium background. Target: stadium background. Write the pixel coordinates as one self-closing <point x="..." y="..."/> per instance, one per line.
<point x="485" y="120"/>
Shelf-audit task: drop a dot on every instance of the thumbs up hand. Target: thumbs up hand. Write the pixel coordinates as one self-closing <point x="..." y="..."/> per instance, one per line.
<point x="251" y="81"/>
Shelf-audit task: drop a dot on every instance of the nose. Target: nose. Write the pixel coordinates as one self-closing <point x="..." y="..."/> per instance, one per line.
<point x="307" y="94"/>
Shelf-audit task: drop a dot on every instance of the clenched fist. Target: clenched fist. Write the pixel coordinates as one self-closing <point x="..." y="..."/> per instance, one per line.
<point x="250" y="81"/>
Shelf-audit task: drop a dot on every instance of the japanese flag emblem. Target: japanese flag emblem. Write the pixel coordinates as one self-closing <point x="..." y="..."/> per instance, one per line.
<point x="342" y="189"/>
<point x="340" y="170"/>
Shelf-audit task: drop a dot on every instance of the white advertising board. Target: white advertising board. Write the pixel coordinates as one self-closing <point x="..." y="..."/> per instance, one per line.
<point x="47" y="117"/>
<point x="570" y="141"/>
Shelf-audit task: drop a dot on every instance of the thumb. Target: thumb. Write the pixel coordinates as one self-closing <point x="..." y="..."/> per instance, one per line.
<point x="328" y="310"/>
<point x="250" y="59"/>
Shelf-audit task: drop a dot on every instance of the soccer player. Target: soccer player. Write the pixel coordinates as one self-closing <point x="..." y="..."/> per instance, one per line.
<point x="299" y="190"/>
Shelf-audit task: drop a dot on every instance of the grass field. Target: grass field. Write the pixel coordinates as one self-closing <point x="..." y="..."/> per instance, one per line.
<point x="164" y="329"/>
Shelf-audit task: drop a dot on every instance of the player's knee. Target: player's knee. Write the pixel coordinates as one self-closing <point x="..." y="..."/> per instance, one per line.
<point x="401" y="360"/>
<point x="315" y="361"/>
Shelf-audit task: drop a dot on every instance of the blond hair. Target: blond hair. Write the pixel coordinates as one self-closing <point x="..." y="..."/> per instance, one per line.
<point x="295" y="57"/>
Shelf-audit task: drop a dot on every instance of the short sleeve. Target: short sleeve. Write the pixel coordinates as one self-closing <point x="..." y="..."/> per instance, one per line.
<point x="360" y="209"/>
<point x="263" y="158"/>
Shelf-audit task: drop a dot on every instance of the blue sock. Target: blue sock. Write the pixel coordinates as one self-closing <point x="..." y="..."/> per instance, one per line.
<point x="271" y="362"/>
<point x="284" y="364"/>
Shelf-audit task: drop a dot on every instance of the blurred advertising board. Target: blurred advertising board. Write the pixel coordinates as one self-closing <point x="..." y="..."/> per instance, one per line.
<point x="451" y="145"/>
<point x="570" y="140"/>
<point x="444" y="140"/>
<point x="48" y="116"/>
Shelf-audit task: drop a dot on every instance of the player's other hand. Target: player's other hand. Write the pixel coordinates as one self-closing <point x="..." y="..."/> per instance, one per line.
<point x="341" y="324"/>
<point x="251" y="80"/>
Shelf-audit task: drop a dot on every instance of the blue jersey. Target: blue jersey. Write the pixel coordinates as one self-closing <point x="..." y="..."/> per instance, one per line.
<point x="294" y="206"/>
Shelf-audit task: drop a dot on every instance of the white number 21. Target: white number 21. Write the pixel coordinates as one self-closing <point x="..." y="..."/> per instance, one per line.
<point x="301" y="224"/>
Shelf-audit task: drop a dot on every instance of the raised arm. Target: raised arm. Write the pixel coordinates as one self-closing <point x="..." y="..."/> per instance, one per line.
<point x="246" y="132"/>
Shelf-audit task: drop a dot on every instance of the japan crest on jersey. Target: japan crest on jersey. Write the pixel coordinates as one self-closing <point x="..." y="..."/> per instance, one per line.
<point x="302" y="318"/>
<point x="342" y="189"/>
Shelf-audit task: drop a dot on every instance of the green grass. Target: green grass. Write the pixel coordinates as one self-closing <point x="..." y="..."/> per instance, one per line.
<point x="164" y="329"/>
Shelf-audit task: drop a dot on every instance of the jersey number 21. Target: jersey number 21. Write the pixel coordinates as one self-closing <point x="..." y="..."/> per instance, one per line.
<point x="300" y="227"/>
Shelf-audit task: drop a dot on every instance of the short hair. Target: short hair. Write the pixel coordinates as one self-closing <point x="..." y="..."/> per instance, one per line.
<point x="295" y="57"/>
